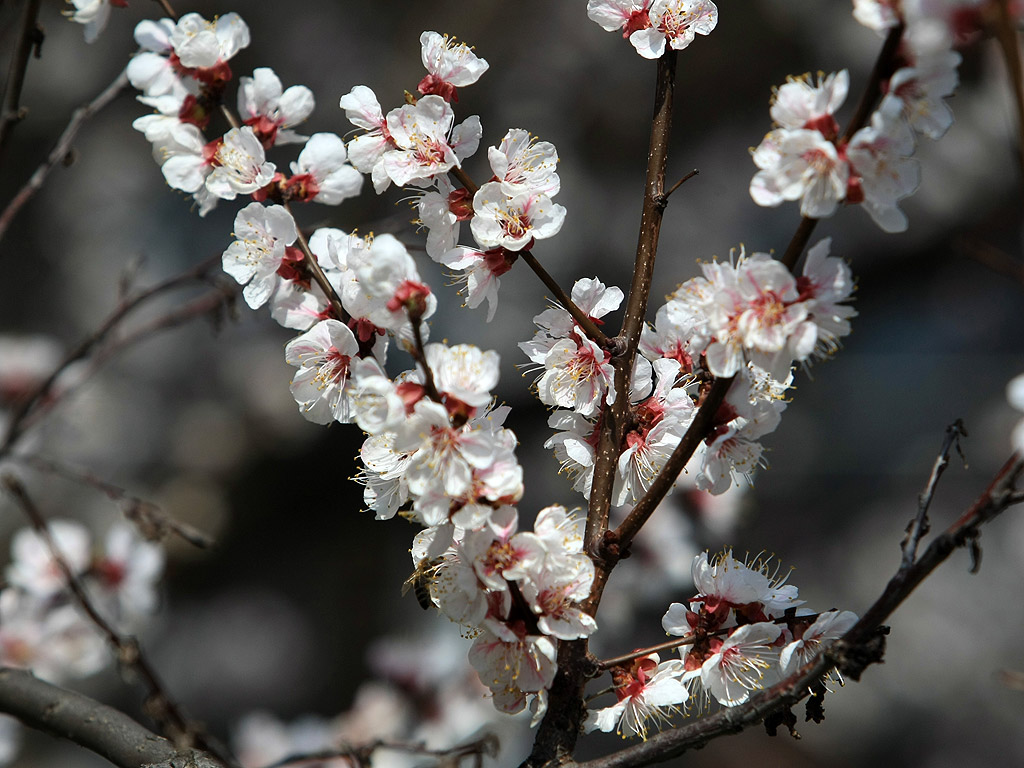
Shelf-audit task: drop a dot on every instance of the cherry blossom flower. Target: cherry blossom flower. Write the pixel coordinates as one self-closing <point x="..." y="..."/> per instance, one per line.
<point x="1015" y="396"/>
<point x="202" y="44"/>
<point x="880" y="156"/>
<point x="922" y="88"/>
<point x="801" y="104"/>
<point x="675" y="22"/>
<point x="322" y="173"/>
<point x="463" y="374"/>
<point x="511" y="660"/>
<point x="253" y="259"/>
<point x="523" y="164"/>
<point x="424" y="142"/>
<point x="388" y="284"/>
<point x="94" y="14"/>
<point x="828" y="627"/>
<point x="32" y="566"/>
<point x="649" y="689"/>
<point x="270" y="110"/>
<point x="127" y="572"/>
<point x="449" y="64"/>
<point x="799" y="165"/>
<point x="240" y="166"/>
<point x="740" y="663"/>
<point x="55" y="643"/>
<point x="323" y="355"/>
<point x="480" y="272"/>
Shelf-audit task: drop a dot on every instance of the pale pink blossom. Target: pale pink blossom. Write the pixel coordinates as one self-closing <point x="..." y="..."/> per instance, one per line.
<point x="513" y="222"/>
<point x="675" y="22"/>
<point x="449" y="64"/>
<point x="322" y="172"/>
<point x="649" y="689"/>
<point x="270" y="110"/>
<point x="323" y="355"/>
<point x="240" y="165"/>
<point x="523" y="164"/>
<point x="879" y="154"/>
<point x="826" y="629"/>
<point x="33" y="567"/>
<point x="253" y="258"/>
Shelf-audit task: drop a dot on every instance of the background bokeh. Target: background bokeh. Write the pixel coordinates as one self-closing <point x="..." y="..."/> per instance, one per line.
<point x="280" y="615"/>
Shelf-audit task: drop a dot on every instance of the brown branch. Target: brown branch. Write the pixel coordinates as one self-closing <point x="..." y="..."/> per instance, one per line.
<point x="918" y="527"/>
<point x="109" y="733"/>
<point x="318" y="273"/>
<point x="487" y="746"/>
<point x="159" y="705"/>
<point x="582" y="319"/>
<point x="662" y="484"/>
<point x="153" y="523"/>
<point x="1009" y="45"/>
<point x="168" y="9"/>
<point x="855" y="651"/>
<point x="30" y="406"/>
<point x="682" y="181"/>
<point x="29" y="38"/>
<point x="60" y="150"/>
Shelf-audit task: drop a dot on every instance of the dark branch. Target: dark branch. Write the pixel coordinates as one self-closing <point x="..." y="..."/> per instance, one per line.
<point x="29" y="37"/>
<point x="918" y="527"/>
<point x="60" y="150"/>
<point x="104" y="730"/>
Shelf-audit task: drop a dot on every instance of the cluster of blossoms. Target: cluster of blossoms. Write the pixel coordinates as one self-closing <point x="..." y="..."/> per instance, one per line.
<point x="651" y="25"/>
<point x="751" y="319"/>
<point x="746" y="631"/>
<point x="436" y="450"/>
<point x="182" y="71"/>
<point x="804" y="158"/>
<point x="40" y="627"/>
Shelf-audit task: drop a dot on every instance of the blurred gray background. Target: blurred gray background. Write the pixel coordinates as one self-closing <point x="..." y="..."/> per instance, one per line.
<point x="280" y="615"/>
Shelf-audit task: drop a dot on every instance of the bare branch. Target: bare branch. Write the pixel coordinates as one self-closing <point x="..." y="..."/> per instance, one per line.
<point x="487" y="746"/>
<point x="153" y="523"/>
<point x="29" y="37"/>
<point x="60" y="150"/>
<point x="918" y="527"/>
<point x="109" y="733"/>
<point x="28" y="408"/>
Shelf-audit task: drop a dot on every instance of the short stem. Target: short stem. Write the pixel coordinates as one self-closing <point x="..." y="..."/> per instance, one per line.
<point x="318" y="273"/>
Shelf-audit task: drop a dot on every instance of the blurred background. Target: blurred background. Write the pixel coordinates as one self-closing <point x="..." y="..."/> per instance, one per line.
<point x="287" y="612"/>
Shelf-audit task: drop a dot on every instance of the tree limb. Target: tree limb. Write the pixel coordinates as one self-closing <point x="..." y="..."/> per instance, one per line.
<point x="109" y="733"/>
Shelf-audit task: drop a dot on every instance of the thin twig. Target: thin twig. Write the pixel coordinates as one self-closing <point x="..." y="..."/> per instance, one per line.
<point x="168" y="9"/>
<point x="60" y="150"/>
<point x="1009" y="45"/>
<point x="669" y="645"/>
<point x="419" y="353"/>
<point x="919" y="527"/>
<point x="31" y="403"/>
<point x="583" y="320"/>
<point x="30" y="37"/>
<point x="153" y="523"/>
<point x="487" y="745"/>
<point x="682" y="181"/>
<point x="318" y="273"/>
<point x="987" y="255"/>
<point x="159" y="705"/>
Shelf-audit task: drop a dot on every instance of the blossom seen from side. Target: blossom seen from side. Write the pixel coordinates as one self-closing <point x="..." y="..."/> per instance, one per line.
<point x="323" y="356"/>
<point x="449" y="64"/>
<point x="270" y="109"/>
<point x="647" y="690"/>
